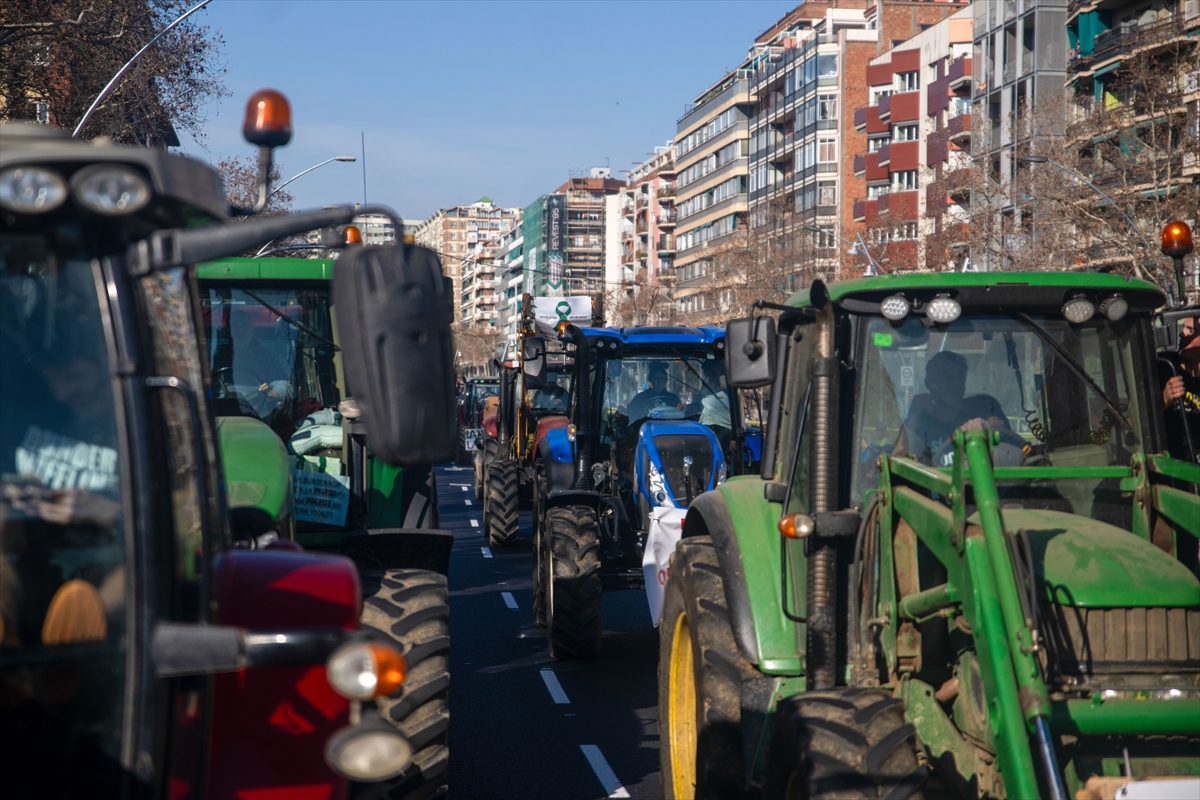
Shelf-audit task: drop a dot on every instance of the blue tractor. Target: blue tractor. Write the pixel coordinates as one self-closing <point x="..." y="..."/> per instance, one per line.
<point x="652" y="426"/>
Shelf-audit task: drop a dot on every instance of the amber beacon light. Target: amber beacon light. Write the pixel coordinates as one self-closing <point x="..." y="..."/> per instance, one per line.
<point x="1177" y="243"/>
<point x="268" y="119"/>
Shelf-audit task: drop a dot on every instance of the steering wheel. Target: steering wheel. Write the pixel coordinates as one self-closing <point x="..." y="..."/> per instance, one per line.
<point x="1006" y="437"/>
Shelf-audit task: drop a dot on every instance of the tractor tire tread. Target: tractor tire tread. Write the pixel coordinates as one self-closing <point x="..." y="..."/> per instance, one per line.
<point x="420" y="709"/>
<point x="503" y="507"/>
<point x="845" y="745"/>
<point x="575" y="609"/>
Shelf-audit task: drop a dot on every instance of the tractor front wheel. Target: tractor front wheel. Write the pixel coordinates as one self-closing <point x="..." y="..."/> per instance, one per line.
<point x="486" y="448"/>
<point x="572" y="543"/>
<point x="501" y="511"/>
<point x="842" y="744"/>
<point x="700" y="671"/>
<point x="411" y="607"/>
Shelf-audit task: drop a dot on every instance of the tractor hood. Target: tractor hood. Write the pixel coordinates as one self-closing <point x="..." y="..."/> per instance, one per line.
<point x="257" y="471"/>
<point x="1086" y="563"/>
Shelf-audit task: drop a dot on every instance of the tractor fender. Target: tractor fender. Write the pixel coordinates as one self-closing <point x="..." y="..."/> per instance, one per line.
<point x="557" y="454"/>
<point x="709" y="514"/>
<point x="544" y="426"/>
<point x="574" y="497"/>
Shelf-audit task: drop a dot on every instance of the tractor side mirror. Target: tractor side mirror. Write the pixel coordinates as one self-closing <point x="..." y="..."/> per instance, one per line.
<point x="393" y="326"/>
<point x="750" y="352"/>
<point x="533" y="361"/>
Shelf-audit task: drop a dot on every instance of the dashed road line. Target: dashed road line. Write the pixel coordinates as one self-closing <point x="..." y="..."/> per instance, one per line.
<point x="509" y="600"/>
<point x="608" y="778"/>
<point x="464" y="488"/>
<point x="486" y="553"/>
<point x="474" y="523"/>
<point x="468" y="501"/>
<point x="555" y="688"/>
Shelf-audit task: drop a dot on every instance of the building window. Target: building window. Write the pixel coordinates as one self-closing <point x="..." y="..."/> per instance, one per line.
<point x="827" y="107"/>
<point x="824" y="239"/>
<point x="873" y="145"/>
<point x="907" y="81"/>
<point x="904" y="180"/>
<point x="826" y="193"/>
<point x="878" y="92"/>
<point x="826" y="150"/>
<point x="826" y="65"/>
<point x="905" y="133"/>
<point x="875" y="192"/>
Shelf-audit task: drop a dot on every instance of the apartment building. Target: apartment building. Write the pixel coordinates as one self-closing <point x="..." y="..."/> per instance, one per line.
<point x="1019" y="64"/>
<point x="512" y="279"/>
<point x="711" y="182"/>
<point x="376" y="229"/>
<point x="917" y="126"/>
<point x="583" y="254"/>
<point x="466" y="237"/>
<point x="647" y="227"/>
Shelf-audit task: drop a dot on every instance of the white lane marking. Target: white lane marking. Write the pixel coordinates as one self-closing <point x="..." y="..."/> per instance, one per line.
<point x="509" y="600"/>
<point x="474" y="523"/>
<point x="608" y="778"/>
<point x="464" y="488"/>
<point x="468" y="502"/>
<point x="486" y="553"/>
<point x="556" y="690"/>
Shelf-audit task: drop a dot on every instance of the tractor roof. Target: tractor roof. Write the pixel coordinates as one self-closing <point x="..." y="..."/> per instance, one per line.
<point x="983" y="291"/>
<point x="658" y="334"/>
<point x="267" y="269"/>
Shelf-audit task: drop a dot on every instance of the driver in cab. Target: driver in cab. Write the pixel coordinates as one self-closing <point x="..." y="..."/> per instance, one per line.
<point x="654" y="397"/>
<point x="933" y="417"/>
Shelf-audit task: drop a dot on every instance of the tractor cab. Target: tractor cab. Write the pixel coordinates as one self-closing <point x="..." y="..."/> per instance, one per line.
<point x="472" y="404"/>
<point x="148" y="648"/>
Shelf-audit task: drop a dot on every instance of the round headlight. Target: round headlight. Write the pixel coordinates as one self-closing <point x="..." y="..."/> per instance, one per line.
<point x="111" y="191"/>
<point x="31" y="190"/>
<point x="1078" y="310"/>
<point x="612" y="345"/>
<point x="943" y="309"/>
<point x="570" y="433"/>
<point x="720" y="344"/>
<point x="1115" y="308"/>
<point x="364" y="670"/>
<point x="895" y="307"/>
<point x="372" y="751"/>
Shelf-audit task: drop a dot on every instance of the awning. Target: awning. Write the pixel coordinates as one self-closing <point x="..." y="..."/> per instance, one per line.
<point x="1105" y="69"/>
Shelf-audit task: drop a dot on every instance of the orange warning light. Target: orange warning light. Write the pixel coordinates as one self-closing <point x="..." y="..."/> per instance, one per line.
<point x="268" y="119"/>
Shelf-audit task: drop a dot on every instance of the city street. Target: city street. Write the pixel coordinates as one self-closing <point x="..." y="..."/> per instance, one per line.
<point x="526" y="726"/>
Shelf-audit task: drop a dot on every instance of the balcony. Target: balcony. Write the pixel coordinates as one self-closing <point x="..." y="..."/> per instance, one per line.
<point x="666" y="193"/>
<point x="885" y="108"/>
<point x="958" y="129"/>
<point x="641" y="226"/>
<point x="860" y="120"/>
<point x="665" y="220"/>
<point x="860" y="166"/>
<point x="884" y="156"/>
<point x="666" y="244"/>
<point x="643" y="200"/>
<point x="959" y="74"/>
<point x="627" y="210"/>
<point x="641" y="255"/>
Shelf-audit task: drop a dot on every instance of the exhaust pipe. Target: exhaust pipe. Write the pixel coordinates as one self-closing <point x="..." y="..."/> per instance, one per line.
<point x="822" y="559"/>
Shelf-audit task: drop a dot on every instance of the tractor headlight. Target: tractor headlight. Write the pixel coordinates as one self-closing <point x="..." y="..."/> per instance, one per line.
<point x="1115" y="308"/>
<point x="657" y="485"/>
<point x="943" y="309"/>
<point x="370" y="751"/>
<point x="895" y="307"/>
<point x="365" y="670"/>
<point x="111" y="190"/>
<point x="570" y="433"/>
<point x="1078" y="310"/>
<point x="31" y="190"/>
<point x="722" y="473"/>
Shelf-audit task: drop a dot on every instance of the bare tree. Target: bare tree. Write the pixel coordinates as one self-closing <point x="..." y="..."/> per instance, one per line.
<point x="56" y="56"/>
<point x="476" y="347"/>
<point x="1136" y="145"/>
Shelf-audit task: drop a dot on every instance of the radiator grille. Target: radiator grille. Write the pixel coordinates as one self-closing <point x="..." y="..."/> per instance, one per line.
<point x="1096" y="640"/>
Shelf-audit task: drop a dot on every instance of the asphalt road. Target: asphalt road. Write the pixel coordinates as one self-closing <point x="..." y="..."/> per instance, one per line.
<point x="523" y="725"/>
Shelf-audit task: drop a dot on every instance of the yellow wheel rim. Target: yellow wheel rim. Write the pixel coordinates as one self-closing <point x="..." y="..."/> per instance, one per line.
<point x="681" y="712"/>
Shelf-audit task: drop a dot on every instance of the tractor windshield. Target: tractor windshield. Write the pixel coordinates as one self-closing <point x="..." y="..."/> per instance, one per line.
<point x="270" y="351"/>
<point x="667" y="385"/>
<point x="1060" y="395"/>
<point x="552" y="398"/>
<point x="62" y="549"/>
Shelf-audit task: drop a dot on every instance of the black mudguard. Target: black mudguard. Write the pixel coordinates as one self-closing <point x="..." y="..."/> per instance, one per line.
<point x="574" y="497"/>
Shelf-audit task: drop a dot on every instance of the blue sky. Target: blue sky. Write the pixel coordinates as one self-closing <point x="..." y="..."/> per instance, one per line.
<point x="464" y="99"/>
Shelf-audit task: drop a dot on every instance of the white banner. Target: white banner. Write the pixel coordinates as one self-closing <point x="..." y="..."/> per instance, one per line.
<point x="320" y="497"/>
<point x="549" y="311"/>
<point x="666" y="528"/>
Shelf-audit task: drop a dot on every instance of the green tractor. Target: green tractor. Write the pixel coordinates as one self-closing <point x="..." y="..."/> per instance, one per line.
<point x="968" y="567"/>
<point x="297" y="465"/>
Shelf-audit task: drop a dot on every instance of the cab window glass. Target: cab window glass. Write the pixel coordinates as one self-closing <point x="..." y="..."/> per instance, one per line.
<point x="62" y="550"/>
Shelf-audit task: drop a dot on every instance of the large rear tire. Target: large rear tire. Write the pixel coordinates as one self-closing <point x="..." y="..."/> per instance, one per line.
<point x="501" y="512"/>
<point x="843" y="744"/>
<point x="573" y="587"/>
<point x="486" y="448"/>
<point x="411" y="607"/>
<point x="700" y="671"/>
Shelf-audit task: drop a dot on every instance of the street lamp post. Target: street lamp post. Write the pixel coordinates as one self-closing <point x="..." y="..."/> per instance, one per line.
<point x="873" y="267"/>
<point x="1128" y="220"/>
<point x="263" y="249"/>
